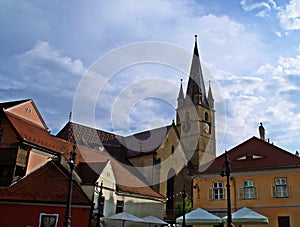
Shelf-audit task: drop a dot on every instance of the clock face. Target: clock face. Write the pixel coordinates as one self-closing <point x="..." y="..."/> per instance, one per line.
<point x="206" y="127"/>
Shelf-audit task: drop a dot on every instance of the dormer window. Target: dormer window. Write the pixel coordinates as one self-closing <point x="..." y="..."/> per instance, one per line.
<point x="250" y="157"/>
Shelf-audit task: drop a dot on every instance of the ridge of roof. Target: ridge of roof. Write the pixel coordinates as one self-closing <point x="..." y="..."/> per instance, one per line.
<point x="13" y="103"/>
<point x="91" y="135"/>
<point x="36" y="135"/>
<point x="150" y="130"/>
<point x="49" y="183"/>
<point x="251" y="154"/>
<point x="145" y="142"/>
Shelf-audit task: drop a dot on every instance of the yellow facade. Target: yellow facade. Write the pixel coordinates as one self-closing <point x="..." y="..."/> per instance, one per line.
<point x="264" y="200"/>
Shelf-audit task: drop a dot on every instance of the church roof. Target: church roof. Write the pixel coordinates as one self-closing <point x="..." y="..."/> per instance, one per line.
<point x="253" y="154"/>
<point x="89" y="135"/>
<point x="47" y="184"/>
<point x="196" y="81"/>
<point x="146" y="142"/>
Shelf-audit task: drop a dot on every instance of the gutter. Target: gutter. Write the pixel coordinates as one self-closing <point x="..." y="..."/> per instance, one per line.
<point x="139" y="196"/>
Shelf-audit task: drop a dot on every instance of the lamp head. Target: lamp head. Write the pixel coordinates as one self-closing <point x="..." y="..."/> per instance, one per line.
<point x="222" y="174"/>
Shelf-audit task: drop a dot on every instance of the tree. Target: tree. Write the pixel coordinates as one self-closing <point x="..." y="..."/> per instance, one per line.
<point x="188" y="207"/>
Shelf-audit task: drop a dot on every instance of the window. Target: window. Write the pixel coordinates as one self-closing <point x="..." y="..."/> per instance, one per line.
<point x="187" y="116"/>
<point x="1" y="134"/>
<point x="217" y="191"/>
<point x="206" y="118"/>
<point x="120" y="206"/>
<point x="48" y="220"/>
<point x="284" y="221"/>
<point x="281" y="188"/>
<point x="170" y="193"/>
<point x="248" y="191"/>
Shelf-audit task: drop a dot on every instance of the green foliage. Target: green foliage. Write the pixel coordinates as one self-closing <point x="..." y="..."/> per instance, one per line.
<point x="188" y="207"/>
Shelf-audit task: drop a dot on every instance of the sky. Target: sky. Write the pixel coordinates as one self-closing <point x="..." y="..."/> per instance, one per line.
<point x="250" y="51"/>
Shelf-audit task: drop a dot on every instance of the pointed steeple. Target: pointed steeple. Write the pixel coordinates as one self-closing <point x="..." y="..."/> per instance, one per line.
<point x="210" y="98"/>
<point x="196" y="89"/>
<point x="180" y="98"/>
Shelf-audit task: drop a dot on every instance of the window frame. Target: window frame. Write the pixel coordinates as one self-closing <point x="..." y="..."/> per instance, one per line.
<point x="119" y="206"/>
<point x="281" y="187"/>
<point x="249" y="190"/>
<point x="218" y="190"/>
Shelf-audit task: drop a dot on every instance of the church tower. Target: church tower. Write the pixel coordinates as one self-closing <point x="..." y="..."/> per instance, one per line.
<point x="195" y="116"/>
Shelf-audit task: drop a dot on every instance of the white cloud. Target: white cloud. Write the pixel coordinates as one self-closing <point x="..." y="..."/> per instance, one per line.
<point x="285" y="66"/>
<point x="43" y="54"/>
<point x="289" y="15"/>
<point x="262" y="6"/>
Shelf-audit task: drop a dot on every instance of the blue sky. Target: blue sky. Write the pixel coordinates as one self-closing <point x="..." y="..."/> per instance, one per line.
<point x="250" y="48"/>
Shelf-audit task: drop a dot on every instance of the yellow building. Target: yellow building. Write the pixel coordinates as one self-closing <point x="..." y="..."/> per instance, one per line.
<point x="264" y="178"/>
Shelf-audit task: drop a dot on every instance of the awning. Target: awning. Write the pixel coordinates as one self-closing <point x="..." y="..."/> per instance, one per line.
<point x="154" y="220"/>
<point x="247" y="216"/>
<point x="124" y="216"/>
<point x="200" y="217"/>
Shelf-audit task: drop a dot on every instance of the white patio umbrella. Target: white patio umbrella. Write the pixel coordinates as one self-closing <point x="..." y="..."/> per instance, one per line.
<point x="154" y="220"/>
<point x="247" y="216"/>
<point x="200" y="217"/>
<point x="124" y="216"/>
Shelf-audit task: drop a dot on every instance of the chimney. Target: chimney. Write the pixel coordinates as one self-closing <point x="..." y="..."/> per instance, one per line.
<point x="261" y="130"/>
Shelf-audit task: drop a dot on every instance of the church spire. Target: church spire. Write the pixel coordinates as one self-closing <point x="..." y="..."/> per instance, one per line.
<point x="210" y="98"/>
<point x="196" y="47"/>
<point x="196" y="89"/>
<point x="180" y="98"/>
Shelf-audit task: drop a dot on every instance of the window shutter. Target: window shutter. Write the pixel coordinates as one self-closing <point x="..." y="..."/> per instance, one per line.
<point x="210" y="197"/>
<point x="255" y="192"/>
<point x="241" y="193"/>
<point x="273" y="190"/>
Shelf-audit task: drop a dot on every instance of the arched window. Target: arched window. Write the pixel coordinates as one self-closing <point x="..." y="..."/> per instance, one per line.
<point x="187" y="116"/>
<point x="206" y="117"/>
<point x="170" y="191"/>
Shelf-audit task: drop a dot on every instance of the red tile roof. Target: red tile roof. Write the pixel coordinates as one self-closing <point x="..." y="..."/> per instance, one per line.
<point x="126" y="181"/>
<point x="74" y="132"/>
<point x="48" y="184"/>
<point x="253" y="154"/>
<point x="37" y="136"/>
<point x="6" y="105"/>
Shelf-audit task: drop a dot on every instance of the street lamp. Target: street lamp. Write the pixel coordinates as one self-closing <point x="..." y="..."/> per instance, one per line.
<point x="227" y="174"/>
<point x="99" y="215"/>
<point x="183" y="206"/>
<point x="71" y="162"/>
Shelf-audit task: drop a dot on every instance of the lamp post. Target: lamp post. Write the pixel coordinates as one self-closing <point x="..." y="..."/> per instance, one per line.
<point x="99" y="215"/>
<point x="227" y="174"/>
<point x="183" y="206"/>
<point x="71" y="162"/>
